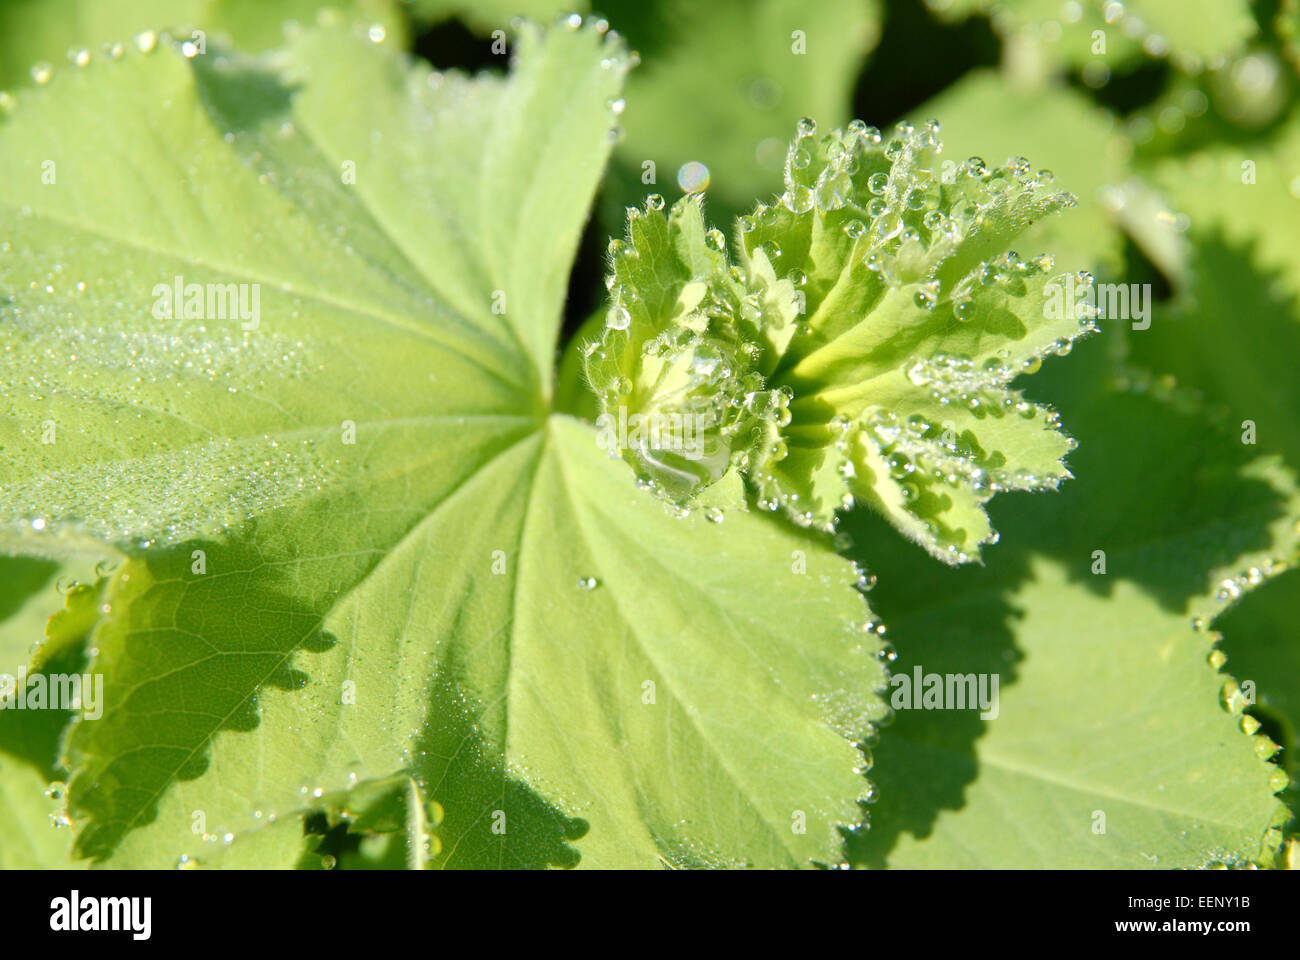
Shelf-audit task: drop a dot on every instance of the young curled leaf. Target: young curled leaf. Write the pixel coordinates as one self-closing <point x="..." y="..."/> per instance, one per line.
<point x="863" y="347"/>
<point x="676" y="369"/>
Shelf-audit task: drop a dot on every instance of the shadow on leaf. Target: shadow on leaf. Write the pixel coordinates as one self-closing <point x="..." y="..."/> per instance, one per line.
<point x="492" y="819"/>
<point x="208" y="643"/>
<point x="1157" y="488"/>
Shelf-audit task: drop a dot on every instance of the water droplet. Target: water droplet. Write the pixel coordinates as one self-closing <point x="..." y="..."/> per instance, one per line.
<point x="888" y="225"/>
<point x="654" y="202"/>
<point x="1229" y="589"/>
<point x="146" y="41"/>
<point x="588" y="583"/>
<point x="798" y="200"/>
<point x="618" y="318"/>
<point x="1231" y="698"/>
<point x="918" y="426"/>
<point x="41" y="72"/>
<point x="714" y="515"/>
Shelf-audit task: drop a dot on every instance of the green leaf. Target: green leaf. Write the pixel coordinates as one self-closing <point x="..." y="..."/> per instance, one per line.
<point x="471" y="595"/>
<point x="33" y="821"/>
<point x="1110" y="697"/>
<point x="380" y="825"/>
<point x="66" y="631"/>
<point x="47" y="611"/>
<point x="283" y="845"/>
<point x="36" y="836"/>
<point x="28" y="598"/>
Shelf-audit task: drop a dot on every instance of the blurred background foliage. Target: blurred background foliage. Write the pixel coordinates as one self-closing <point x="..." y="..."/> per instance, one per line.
<point x="1175" y="122"/>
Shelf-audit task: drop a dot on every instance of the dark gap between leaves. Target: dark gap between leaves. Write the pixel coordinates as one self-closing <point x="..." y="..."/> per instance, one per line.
<point x="1129" y="90"/>
<point x="450" y="45"/>
<point x="893" y="83"/>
